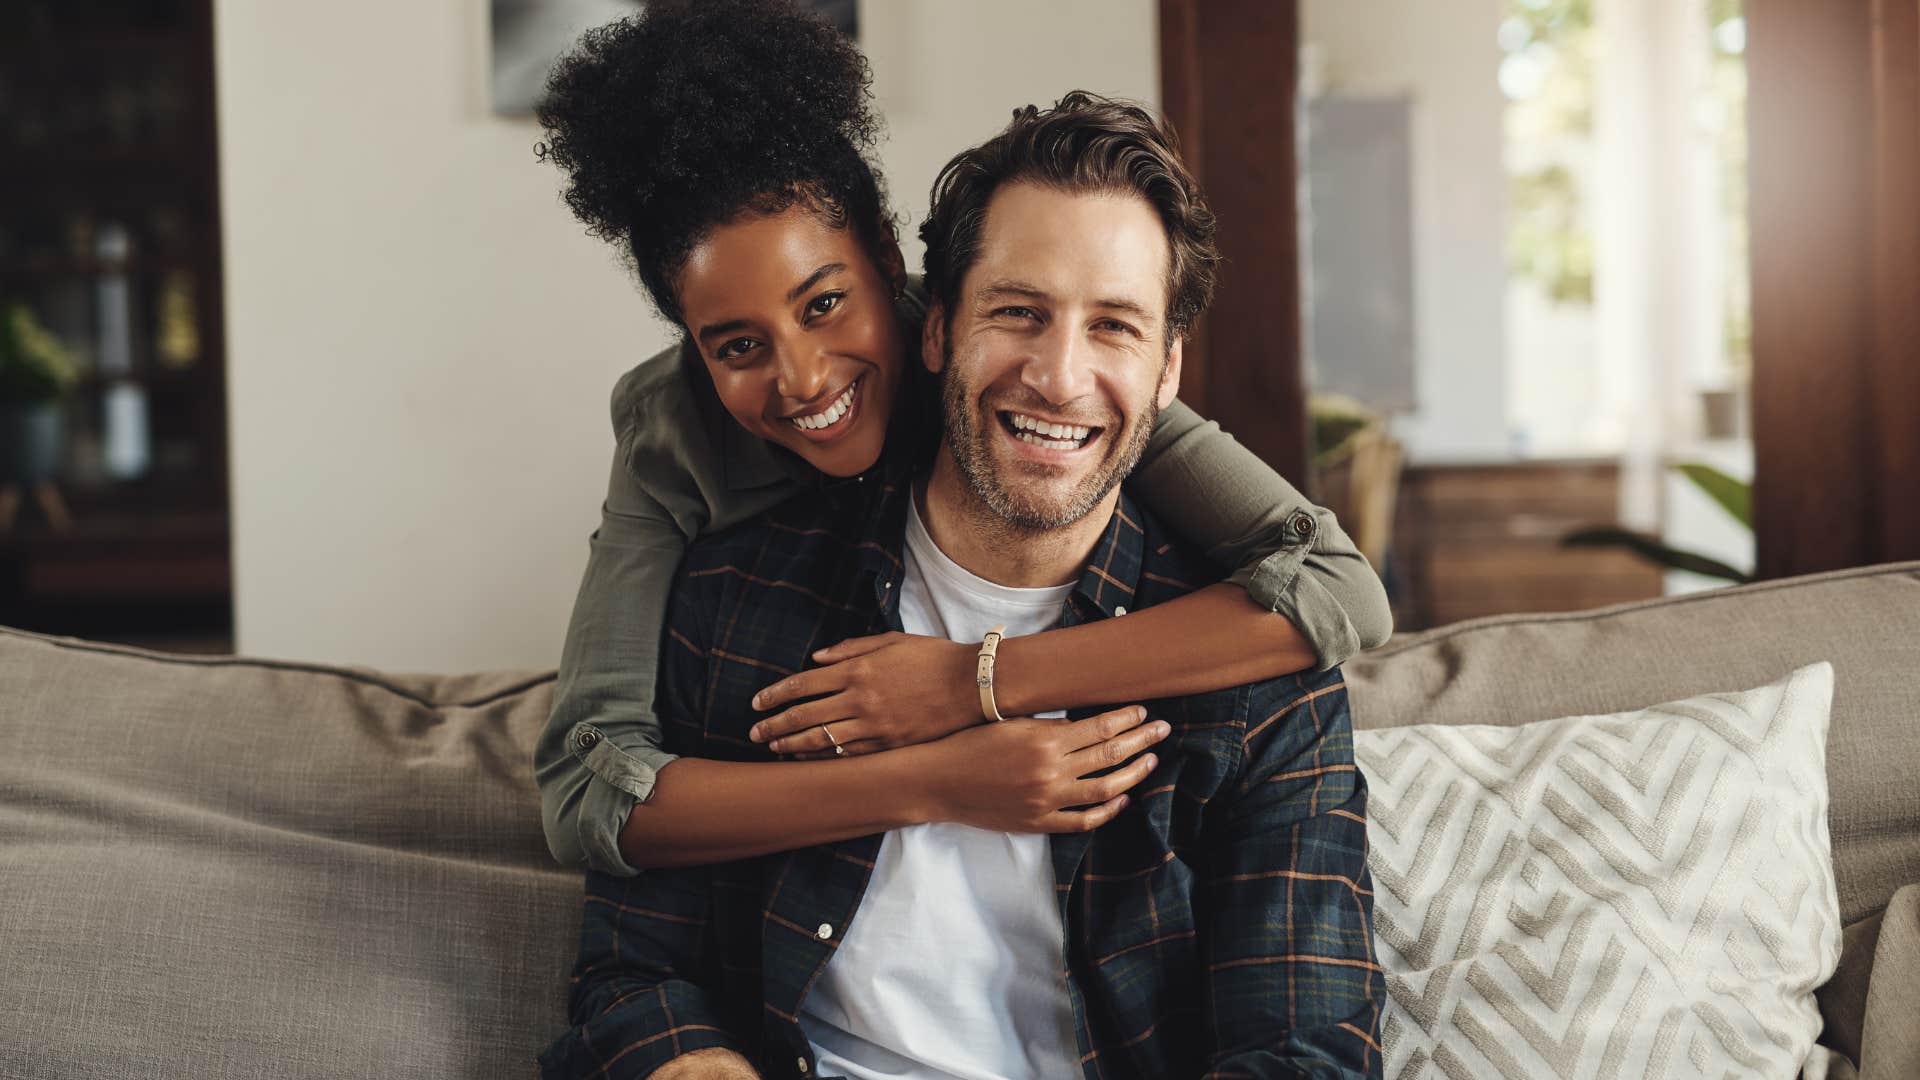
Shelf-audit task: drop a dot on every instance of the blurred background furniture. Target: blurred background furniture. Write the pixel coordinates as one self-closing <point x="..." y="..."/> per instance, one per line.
<point x="110" y="235"/>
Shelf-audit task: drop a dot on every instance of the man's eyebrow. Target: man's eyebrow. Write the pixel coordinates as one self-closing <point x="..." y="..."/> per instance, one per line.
<point x="814" y="279"/>
<point x="1133" y="308"/>
<point x="1013" y="288"/>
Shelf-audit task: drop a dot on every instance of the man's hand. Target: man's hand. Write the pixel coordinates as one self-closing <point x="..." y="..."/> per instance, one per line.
<point x="1027" y="775"/>
<point x="713" y="1063"/>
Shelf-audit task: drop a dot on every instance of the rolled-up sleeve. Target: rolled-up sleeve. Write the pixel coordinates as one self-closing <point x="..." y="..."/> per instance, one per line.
<point x="1290" y="555"/>
<point x="601" y="748"/>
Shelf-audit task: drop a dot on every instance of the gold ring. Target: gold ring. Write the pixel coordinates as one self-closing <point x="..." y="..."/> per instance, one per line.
<point x="838" y="750"/>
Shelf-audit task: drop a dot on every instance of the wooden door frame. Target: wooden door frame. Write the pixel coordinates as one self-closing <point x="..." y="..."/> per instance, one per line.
<point x="1834" y="124"/>
<point x="1228" y="75"/>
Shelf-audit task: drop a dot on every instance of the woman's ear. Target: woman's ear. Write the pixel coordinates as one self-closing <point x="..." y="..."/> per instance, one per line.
<point x="892" y="264"/>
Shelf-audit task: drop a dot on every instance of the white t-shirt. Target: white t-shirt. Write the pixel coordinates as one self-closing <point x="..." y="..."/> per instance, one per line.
<point x="953" y="967"/>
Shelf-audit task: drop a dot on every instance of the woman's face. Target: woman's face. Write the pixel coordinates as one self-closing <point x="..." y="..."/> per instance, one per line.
<point x="797" y="327"/>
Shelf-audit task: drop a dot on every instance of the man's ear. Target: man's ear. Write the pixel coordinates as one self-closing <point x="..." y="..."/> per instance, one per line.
<point x="1170" y="375"/>
<point x="933" y="338"/>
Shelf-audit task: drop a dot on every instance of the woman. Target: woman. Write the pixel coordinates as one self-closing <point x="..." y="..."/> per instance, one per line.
<point x="721" y="146"/>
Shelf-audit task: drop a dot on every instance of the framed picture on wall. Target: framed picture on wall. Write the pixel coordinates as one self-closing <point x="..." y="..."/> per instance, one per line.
<point x="529" y="35"/>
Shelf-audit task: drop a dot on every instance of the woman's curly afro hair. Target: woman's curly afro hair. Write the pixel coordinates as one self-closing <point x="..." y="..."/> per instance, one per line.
<point x="695" y="112"/>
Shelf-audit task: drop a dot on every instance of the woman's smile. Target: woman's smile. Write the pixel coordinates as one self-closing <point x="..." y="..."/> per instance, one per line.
<point x="834" y="419"/>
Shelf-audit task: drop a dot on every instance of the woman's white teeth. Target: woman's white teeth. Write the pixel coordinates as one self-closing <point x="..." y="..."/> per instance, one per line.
<point x="1051" y="436"/>
<point x="831" y="415"/>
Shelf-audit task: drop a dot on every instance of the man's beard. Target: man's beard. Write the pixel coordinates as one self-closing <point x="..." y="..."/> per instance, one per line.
<point x="969" y="441"/>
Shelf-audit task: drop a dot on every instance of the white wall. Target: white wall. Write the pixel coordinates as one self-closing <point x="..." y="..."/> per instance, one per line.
<point x="1447" y="58"/>
<point x="421" y="340"/>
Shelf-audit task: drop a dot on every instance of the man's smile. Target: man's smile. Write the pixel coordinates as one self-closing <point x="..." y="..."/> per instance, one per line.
<point x="1043" y="434"/>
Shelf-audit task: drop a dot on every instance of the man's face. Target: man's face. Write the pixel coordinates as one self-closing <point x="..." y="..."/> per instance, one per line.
<point x="1055" y="360"/>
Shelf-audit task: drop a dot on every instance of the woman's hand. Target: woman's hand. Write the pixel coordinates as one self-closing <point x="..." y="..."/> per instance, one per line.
<point x="878" y="693"/>
<point x="1026" y="776"/>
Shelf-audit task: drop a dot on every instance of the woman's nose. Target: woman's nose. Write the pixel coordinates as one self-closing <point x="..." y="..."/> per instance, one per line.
<point x="803" y="374"/>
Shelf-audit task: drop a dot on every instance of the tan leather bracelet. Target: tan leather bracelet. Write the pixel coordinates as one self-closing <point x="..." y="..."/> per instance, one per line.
<point x="983" y="673"/>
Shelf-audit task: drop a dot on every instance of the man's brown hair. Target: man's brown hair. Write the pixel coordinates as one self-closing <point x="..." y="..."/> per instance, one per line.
<point x="1085" y="143"/>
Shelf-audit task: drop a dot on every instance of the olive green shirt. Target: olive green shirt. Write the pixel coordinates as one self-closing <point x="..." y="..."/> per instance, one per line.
<point x="681" y="468"/>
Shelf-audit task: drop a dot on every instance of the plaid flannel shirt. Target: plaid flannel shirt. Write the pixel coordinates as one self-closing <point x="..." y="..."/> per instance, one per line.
<point x="1220" y="926"/>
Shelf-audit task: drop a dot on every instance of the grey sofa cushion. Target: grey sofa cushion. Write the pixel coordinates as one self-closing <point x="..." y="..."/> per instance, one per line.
<point x="1516" y="669"/>
<point x="239" y="868"/>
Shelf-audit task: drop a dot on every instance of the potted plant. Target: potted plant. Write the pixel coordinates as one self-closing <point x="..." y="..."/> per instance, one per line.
<point x="1733" y="496"/>
<point x="36" y="372"/>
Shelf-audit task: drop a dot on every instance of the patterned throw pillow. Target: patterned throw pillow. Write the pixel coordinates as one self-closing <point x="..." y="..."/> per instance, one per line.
<point x="1646" y="894"/>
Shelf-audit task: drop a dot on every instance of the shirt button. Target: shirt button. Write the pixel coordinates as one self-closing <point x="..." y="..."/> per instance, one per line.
<point x="825" y="931"/>
<point x="1302" y="524"/>
<point x="886" y="584"/>
<point x="1119" y="609"/>
<point x="589" y="739"/>
<point x="802" y="1066"/>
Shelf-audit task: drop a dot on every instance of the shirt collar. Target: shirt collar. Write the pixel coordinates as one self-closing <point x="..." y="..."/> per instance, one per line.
<point x="1112" y="574"/>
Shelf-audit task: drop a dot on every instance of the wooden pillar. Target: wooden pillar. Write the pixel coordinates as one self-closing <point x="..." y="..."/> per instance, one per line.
<point x="1228" y="71"/>
<point x="1834" y="106"/>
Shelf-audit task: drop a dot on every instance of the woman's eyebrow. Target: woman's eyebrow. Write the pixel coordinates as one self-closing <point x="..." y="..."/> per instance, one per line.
<point x="712" y="329"/>
<point x="814" y="279"/>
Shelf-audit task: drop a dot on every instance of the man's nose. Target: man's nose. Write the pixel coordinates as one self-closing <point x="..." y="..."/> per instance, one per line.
<point x="802" y="372"/>
<point x="1060" y="367"/>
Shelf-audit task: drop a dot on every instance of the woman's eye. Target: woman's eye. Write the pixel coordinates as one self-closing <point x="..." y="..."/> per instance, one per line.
<point x="735" y="349"/>
<point x="825" y="302"/>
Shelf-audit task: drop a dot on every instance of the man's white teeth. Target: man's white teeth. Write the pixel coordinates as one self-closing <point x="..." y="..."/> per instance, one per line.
<point x="1049" y="444"/>
<point x="831" y="415"/>
<point x="1066" y="435"/>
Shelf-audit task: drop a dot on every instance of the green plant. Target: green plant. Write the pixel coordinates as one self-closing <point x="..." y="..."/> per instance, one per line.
<point x="34" y="365"/>
<point x="1336" y="419"/>
<point x="1733" y="496"/>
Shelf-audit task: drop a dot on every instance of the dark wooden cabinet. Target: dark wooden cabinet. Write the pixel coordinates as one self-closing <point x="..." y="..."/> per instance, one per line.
<point x="1473" y="540"/>
<point x="110" y="235"/>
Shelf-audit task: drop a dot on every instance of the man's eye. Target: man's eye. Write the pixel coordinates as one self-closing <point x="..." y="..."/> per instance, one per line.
<point x="825" y="302"/>
<point x="735" y="349"/>
<point x="1118" y="327"/>
<point x="1016" y="312"/>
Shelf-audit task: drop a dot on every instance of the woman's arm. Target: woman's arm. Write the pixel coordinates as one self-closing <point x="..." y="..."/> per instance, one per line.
<point x="1021" y="776"/>
<point x="1301" y="596"/>
<point x="1291" y="556"/>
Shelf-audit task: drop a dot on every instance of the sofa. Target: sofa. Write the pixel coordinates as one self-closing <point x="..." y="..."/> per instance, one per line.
<point x="247" y="867"/>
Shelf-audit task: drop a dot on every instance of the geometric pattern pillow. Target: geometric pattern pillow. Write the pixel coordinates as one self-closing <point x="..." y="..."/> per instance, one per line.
<point x="1645" y="894"/>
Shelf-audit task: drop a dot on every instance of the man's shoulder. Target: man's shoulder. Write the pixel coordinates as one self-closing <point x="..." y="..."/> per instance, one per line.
<point x="1169" y="567"/>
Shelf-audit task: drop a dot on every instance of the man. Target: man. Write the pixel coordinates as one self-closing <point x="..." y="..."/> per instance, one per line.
<point x="1220" y="925"/>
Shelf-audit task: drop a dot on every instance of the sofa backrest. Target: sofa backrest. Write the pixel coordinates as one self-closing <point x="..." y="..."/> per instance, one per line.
<point x="1515" y="669"/>
<point x="221" y="867"/>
